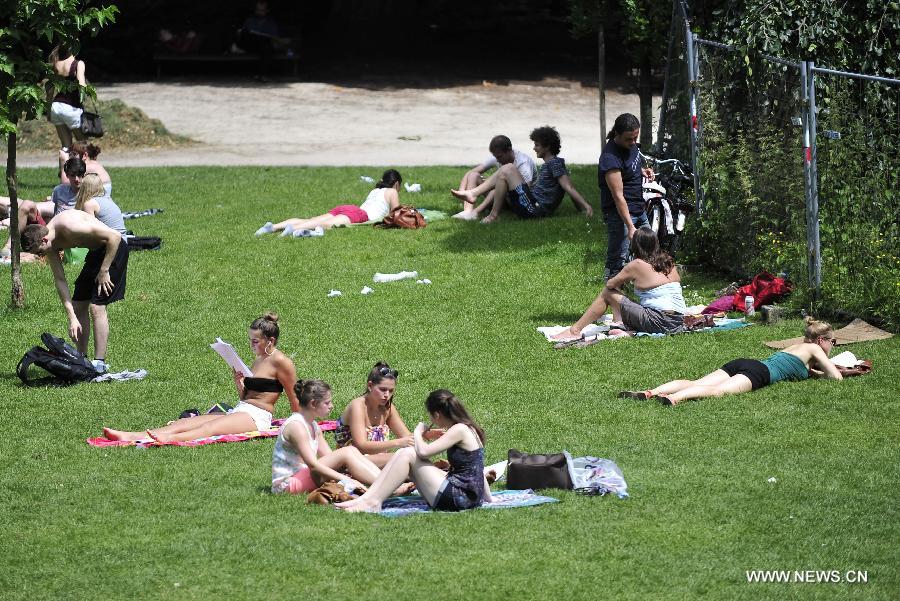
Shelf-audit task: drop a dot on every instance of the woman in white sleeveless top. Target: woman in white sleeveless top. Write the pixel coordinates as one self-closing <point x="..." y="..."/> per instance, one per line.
<point x="302" y="459"/>
<point x="380" y="201"/>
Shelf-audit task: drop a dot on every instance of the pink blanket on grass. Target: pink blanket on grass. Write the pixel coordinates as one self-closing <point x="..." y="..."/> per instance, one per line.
<point x="100" y="441"/>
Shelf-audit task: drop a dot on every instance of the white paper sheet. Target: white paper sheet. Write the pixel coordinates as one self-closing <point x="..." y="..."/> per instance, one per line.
<point x="227" y="352"/>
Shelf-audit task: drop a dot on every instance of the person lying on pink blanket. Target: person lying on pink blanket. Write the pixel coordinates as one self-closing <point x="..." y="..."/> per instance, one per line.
<point x="273" y="373"/>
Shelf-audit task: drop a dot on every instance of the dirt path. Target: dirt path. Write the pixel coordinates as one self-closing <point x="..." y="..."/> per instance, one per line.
<point x="324" y="124"/>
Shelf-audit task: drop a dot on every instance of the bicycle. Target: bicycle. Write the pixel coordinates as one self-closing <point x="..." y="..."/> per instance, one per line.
<point x="666" y="205"/>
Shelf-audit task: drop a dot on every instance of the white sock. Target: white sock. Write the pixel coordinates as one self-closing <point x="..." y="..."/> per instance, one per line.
<point x="287" y="231"/>
<point x="266" y="229"/>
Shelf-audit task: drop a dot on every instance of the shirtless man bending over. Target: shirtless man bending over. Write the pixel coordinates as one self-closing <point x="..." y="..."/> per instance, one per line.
<point x="101" y="281"/>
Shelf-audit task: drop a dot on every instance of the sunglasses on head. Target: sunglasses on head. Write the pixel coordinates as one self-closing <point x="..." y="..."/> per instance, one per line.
<point x="387" y="372"/>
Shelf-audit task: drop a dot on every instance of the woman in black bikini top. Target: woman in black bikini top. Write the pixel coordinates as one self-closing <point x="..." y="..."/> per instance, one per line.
<point x="274" y="373"/>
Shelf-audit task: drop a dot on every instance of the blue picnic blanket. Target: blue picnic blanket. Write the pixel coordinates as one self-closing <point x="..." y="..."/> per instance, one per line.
<point x="396" y="507"/>
<point x="722" y="325"/>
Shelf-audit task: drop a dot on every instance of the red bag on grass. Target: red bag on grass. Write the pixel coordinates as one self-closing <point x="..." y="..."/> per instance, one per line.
<point x="765" y="290"/>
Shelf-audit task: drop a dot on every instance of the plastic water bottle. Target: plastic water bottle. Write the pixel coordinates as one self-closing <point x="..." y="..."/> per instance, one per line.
<point x="748" y="302"/>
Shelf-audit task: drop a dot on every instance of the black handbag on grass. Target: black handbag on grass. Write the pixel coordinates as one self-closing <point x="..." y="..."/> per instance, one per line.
<point x="537" y="471"/>
<point x="91" y="123"/>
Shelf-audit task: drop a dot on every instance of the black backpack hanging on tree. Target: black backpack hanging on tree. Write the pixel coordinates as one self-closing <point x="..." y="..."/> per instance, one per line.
<point x="59" y="359"/>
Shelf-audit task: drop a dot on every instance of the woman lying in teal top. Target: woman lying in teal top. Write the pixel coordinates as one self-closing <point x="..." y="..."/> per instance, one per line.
<point x="796" y="362"/>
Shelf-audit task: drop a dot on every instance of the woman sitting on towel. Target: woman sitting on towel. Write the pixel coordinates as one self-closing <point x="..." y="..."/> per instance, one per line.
<point x="661" y="307"/>
<point x="273" y="373"/>
<point x="380" y="201"/>
<point x="369" y="420"/>
<point x="464" y="487"/>
<point x="302" y="460"/>
<point x="797" y="362"/>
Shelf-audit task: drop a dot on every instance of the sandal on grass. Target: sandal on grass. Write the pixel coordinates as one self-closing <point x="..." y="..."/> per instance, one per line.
<point x="641" y="395"/>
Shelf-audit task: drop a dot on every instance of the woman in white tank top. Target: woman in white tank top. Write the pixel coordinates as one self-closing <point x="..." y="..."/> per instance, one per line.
<point x="380" y="201"/>
<point x="302" y="459"/>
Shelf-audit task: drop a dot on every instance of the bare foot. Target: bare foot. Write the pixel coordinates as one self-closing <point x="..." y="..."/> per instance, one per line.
<point x="463" y="195"/>
<point x="404" y="489"/>
<point x="361" y="506"/>
<point x="121" y="435"/>
<point x="489" y="220"/>
<point x="159" y="437"/>
<point x="566" y="335"/>
<point x="618" y="332"/>
<point x="466" y="215"/>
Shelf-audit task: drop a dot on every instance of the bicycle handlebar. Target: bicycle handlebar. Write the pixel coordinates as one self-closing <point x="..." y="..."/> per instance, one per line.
<point x="678" y="166"/>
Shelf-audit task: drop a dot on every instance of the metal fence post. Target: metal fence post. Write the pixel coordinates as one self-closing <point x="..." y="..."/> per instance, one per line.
<point x="661" y="124"/>
<point x="813" y="246"/>
<point x="692" y="91"/>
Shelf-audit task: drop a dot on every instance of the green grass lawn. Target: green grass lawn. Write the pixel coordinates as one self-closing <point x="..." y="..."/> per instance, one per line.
<point x="181" y="523"/>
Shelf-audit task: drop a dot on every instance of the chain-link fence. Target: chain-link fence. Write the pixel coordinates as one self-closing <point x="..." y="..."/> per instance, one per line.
<point x="857" y="150"/>
<point x="674" y="134"/>
<point x="793" y="177"/>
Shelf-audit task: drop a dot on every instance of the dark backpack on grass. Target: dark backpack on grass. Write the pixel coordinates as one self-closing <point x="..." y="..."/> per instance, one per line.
<point x="60" y="359"/>
<point x="144" y="243"/>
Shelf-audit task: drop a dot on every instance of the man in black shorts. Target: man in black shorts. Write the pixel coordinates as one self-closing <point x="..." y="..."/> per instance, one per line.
<point x="101" y="281"/>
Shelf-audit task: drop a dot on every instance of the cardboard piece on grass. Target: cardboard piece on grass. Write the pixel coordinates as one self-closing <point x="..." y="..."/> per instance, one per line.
<point x="857" y="331"/>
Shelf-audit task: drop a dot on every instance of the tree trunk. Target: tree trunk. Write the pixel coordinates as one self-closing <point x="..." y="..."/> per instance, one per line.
<point x="645" y="94"/>
<point x="601" y="80"/>
<point x="18" y="291"/>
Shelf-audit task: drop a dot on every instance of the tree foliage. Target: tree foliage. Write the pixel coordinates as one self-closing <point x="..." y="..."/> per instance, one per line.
<point x="861" y="36"/>
<point x="755" y="219"/>
<point x="31" y="28"/>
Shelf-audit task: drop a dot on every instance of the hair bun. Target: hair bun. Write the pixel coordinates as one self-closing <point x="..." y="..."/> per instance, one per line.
<point x="810" y="320"/>
<point x="271" y="316"/>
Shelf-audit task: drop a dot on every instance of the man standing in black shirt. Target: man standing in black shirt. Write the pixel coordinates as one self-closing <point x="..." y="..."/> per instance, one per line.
<point x="620" y="177"/>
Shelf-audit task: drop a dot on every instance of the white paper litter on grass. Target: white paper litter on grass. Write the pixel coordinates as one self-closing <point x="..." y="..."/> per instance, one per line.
<point x="425" y="281"/>
<point x="381" y="278"/>
<point x="367" y="290"/>
<point x="367" y="179"/>
<point x="334" y="293"/>
<point x="413" y="187"/>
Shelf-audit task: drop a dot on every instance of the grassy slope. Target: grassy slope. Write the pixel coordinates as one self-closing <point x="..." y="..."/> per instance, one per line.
<point x="124" y="126"/>
<point x="178" y="523"/>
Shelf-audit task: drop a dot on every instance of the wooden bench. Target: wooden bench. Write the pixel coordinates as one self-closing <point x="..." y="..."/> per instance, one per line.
<point x="166" y="57"/>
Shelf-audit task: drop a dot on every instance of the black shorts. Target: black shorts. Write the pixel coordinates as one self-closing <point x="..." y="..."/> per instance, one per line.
<point x="86" y="284"/>
<point x="754" y="370"/>
<point x="522" y="202"/>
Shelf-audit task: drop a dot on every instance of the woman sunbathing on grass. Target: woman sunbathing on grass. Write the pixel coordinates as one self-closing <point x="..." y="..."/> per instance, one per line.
<point x="744" y="375"/>
<point x="657" y="285"/>
<point x="302" y="460"/>
<point x="380" y="201"/>
<point x="273" y="372"/>
<point x="369" y="420"/>
<point x="464" y="487"/>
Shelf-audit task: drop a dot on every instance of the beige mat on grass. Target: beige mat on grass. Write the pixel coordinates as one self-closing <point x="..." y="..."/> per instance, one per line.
<point x="856" y="331"/>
